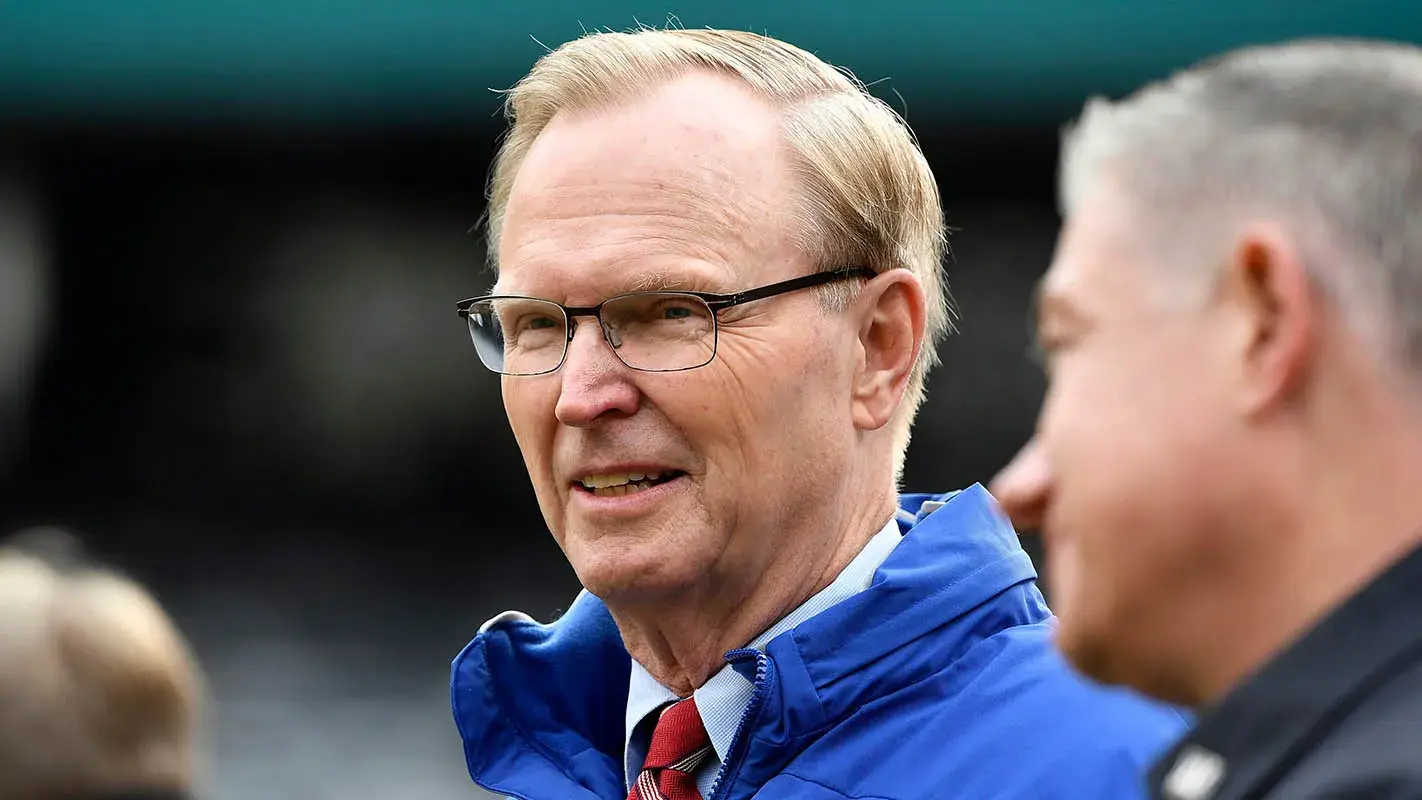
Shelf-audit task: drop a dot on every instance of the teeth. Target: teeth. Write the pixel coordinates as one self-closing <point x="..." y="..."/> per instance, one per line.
<point x="617" y="484"/>
<point x="605" y="481"/>
<point x="618" y="491"/>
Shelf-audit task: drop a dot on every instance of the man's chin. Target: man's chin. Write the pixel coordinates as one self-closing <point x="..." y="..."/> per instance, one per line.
<point x="1088" y="651"/>
<point x="627" y="583"/>
<point x="1101" y="655"/>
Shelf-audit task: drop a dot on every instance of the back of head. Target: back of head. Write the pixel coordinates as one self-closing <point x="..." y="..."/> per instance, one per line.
<point x="868" y="196"/>
<point x="98" y="691"/>
<point x="1322" y="136"/>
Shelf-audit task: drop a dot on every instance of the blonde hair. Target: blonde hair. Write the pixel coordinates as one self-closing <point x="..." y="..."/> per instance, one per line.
<point x="98" y="691"/>
<point x="869" y="197"/>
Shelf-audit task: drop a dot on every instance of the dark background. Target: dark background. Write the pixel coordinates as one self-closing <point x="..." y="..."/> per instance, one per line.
<point x="229" y="354"/>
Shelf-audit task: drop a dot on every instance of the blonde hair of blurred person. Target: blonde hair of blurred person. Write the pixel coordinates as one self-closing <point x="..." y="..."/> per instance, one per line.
<point x="868" y="197"/>
<point x="99" y="692"/>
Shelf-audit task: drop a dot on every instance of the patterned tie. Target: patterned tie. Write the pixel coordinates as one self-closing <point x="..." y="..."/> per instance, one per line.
<point x="679" y="746"/>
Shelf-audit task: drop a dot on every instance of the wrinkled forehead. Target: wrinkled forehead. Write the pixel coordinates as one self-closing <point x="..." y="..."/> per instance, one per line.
<point x="691" y="185"/>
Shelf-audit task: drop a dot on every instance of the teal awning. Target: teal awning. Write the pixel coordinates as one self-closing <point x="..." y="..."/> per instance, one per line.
<point x="405" y="61"/>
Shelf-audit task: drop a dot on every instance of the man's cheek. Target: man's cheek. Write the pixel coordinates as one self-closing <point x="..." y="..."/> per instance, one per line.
<point x="1064" y="569"/>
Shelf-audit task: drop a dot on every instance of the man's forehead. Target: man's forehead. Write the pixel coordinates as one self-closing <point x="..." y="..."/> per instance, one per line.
<point x="634" y="239"/>
<point x="621" y="185"/>
<point x="1087" y="283"/>
<point x="700" y="136"/>
<point x="1100" y="249"/>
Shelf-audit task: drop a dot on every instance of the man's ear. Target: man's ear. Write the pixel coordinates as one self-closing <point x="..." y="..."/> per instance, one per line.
<point x="892" y="310"/>
<point x="1274" y="313"/>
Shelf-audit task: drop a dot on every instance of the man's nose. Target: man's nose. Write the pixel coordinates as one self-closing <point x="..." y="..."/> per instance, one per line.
<point x="595" y="382"/>
<point x="1024" y="486"/>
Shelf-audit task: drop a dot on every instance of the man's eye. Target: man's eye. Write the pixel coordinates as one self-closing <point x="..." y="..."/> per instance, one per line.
<point x="1042" y="351"/>
<point x="538" y="323"/>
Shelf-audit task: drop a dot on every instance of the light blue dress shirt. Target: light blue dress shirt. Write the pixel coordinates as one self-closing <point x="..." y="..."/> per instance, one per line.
<point x="722" y="700"/>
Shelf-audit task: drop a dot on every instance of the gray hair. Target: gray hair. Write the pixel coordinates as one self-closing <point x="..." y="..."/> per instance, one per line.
<point x="1321" y="136"/>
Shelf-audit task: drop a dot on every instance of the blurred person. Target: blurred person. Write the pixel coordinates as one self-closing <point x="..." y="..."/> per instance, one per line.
<point x="718" y="295"/>
<point x="98" y="690"/>
<point x="1225" y="465"/>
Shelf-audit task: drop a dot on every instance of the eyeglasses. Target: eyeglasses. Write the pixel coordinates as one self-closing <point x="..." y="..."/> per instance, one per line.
<point x="649" y="331"/>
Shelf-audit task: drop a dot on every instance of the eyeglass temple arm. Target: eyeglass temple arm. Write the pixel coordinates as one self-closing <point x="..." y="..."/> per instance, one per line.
<point x="720" y="301"/>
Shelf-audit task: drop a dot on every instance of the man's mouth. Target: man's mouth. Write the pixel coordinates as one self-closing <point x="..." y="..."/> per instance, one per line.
<point x="618" y="484"/>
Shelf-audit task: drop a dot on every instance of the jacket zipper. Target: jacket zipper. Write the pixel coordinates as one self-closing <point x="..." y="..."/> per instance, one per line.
<point x="763" y="669"/>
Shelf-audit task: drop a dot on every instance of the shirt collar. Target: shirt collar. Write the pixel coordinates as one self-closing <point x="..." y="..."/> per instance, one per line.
<point x="1242" y="739"/>
<point x="723" y="697"/>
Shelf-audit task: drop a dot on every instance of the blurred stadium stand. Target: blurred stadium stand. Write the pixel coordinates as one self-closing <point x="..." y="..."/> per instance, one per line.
<point x="231" y="238"/>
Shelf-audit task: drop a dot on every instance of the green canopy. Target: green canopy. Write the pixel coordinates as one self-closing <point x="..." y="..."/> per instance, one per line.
<point x="411" y="61"/>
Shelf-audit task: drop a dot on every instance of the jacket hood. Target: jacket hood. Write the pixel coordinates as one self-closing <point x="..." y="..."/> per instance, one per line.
<point x="540" y="705"/>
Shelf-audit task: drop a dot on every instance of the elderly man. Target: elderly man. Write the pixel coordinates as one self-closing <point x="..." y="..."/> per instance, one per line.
<point x="718" y="293"/>
<point x="1226" y="462"/>
<point x="98" y="690"/>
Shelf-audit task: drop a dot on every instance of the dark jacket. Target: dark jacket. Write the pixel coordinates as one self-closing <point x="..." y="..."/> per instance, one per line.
<point x="1337" y="715"/>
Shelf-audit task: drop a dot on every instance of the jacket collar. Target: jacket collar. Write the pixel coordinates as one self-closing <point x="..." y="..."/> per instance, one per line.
<point x="1297" y="697"/>
<point x="541" y="706"/>
<point x="938" y="583"/>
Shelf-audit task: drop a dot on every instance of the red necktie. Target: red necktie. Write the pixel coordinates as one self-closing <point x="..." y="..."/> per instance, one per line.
<point x="679" y="746"/>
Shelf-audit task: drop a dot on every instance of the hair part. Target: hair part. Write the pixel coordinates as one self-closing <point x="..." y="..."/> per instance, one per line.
<point x="867" y="195"/>
<point x="1321" y="136"/>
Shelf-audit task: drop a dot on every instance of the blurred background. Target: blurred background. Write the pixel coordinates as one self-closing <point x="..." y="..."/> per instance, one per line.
<point x="231" y="239"/>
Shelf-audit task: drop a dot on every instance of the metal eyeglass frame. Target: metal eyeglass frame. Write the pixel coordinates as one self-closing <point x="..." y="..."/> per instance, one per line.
<point x="715" y="302"/>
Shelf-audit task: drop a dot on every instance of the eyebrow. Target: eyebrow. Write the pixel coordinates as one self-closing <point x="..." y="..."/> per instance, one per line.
<point x="1046" y="305"/>
<point x="1055" y="306"/>
<point x="654" y="280"/>
<point x="658" y="281"/>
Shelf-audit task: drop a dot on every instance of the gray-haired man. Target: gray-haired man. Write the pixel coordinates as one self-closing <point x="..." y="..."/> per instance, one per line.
<point x="1226" y="463"/>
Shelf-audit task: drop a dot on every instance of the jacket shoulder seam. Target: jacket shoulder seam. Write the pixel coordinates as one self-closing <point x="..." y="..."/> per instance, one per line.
<point x="813" y="782"/>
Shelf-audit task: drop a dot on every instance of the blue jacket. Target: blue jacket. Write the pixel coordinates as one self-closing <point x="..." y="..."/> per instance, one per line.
<point x="938" y="681"/>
